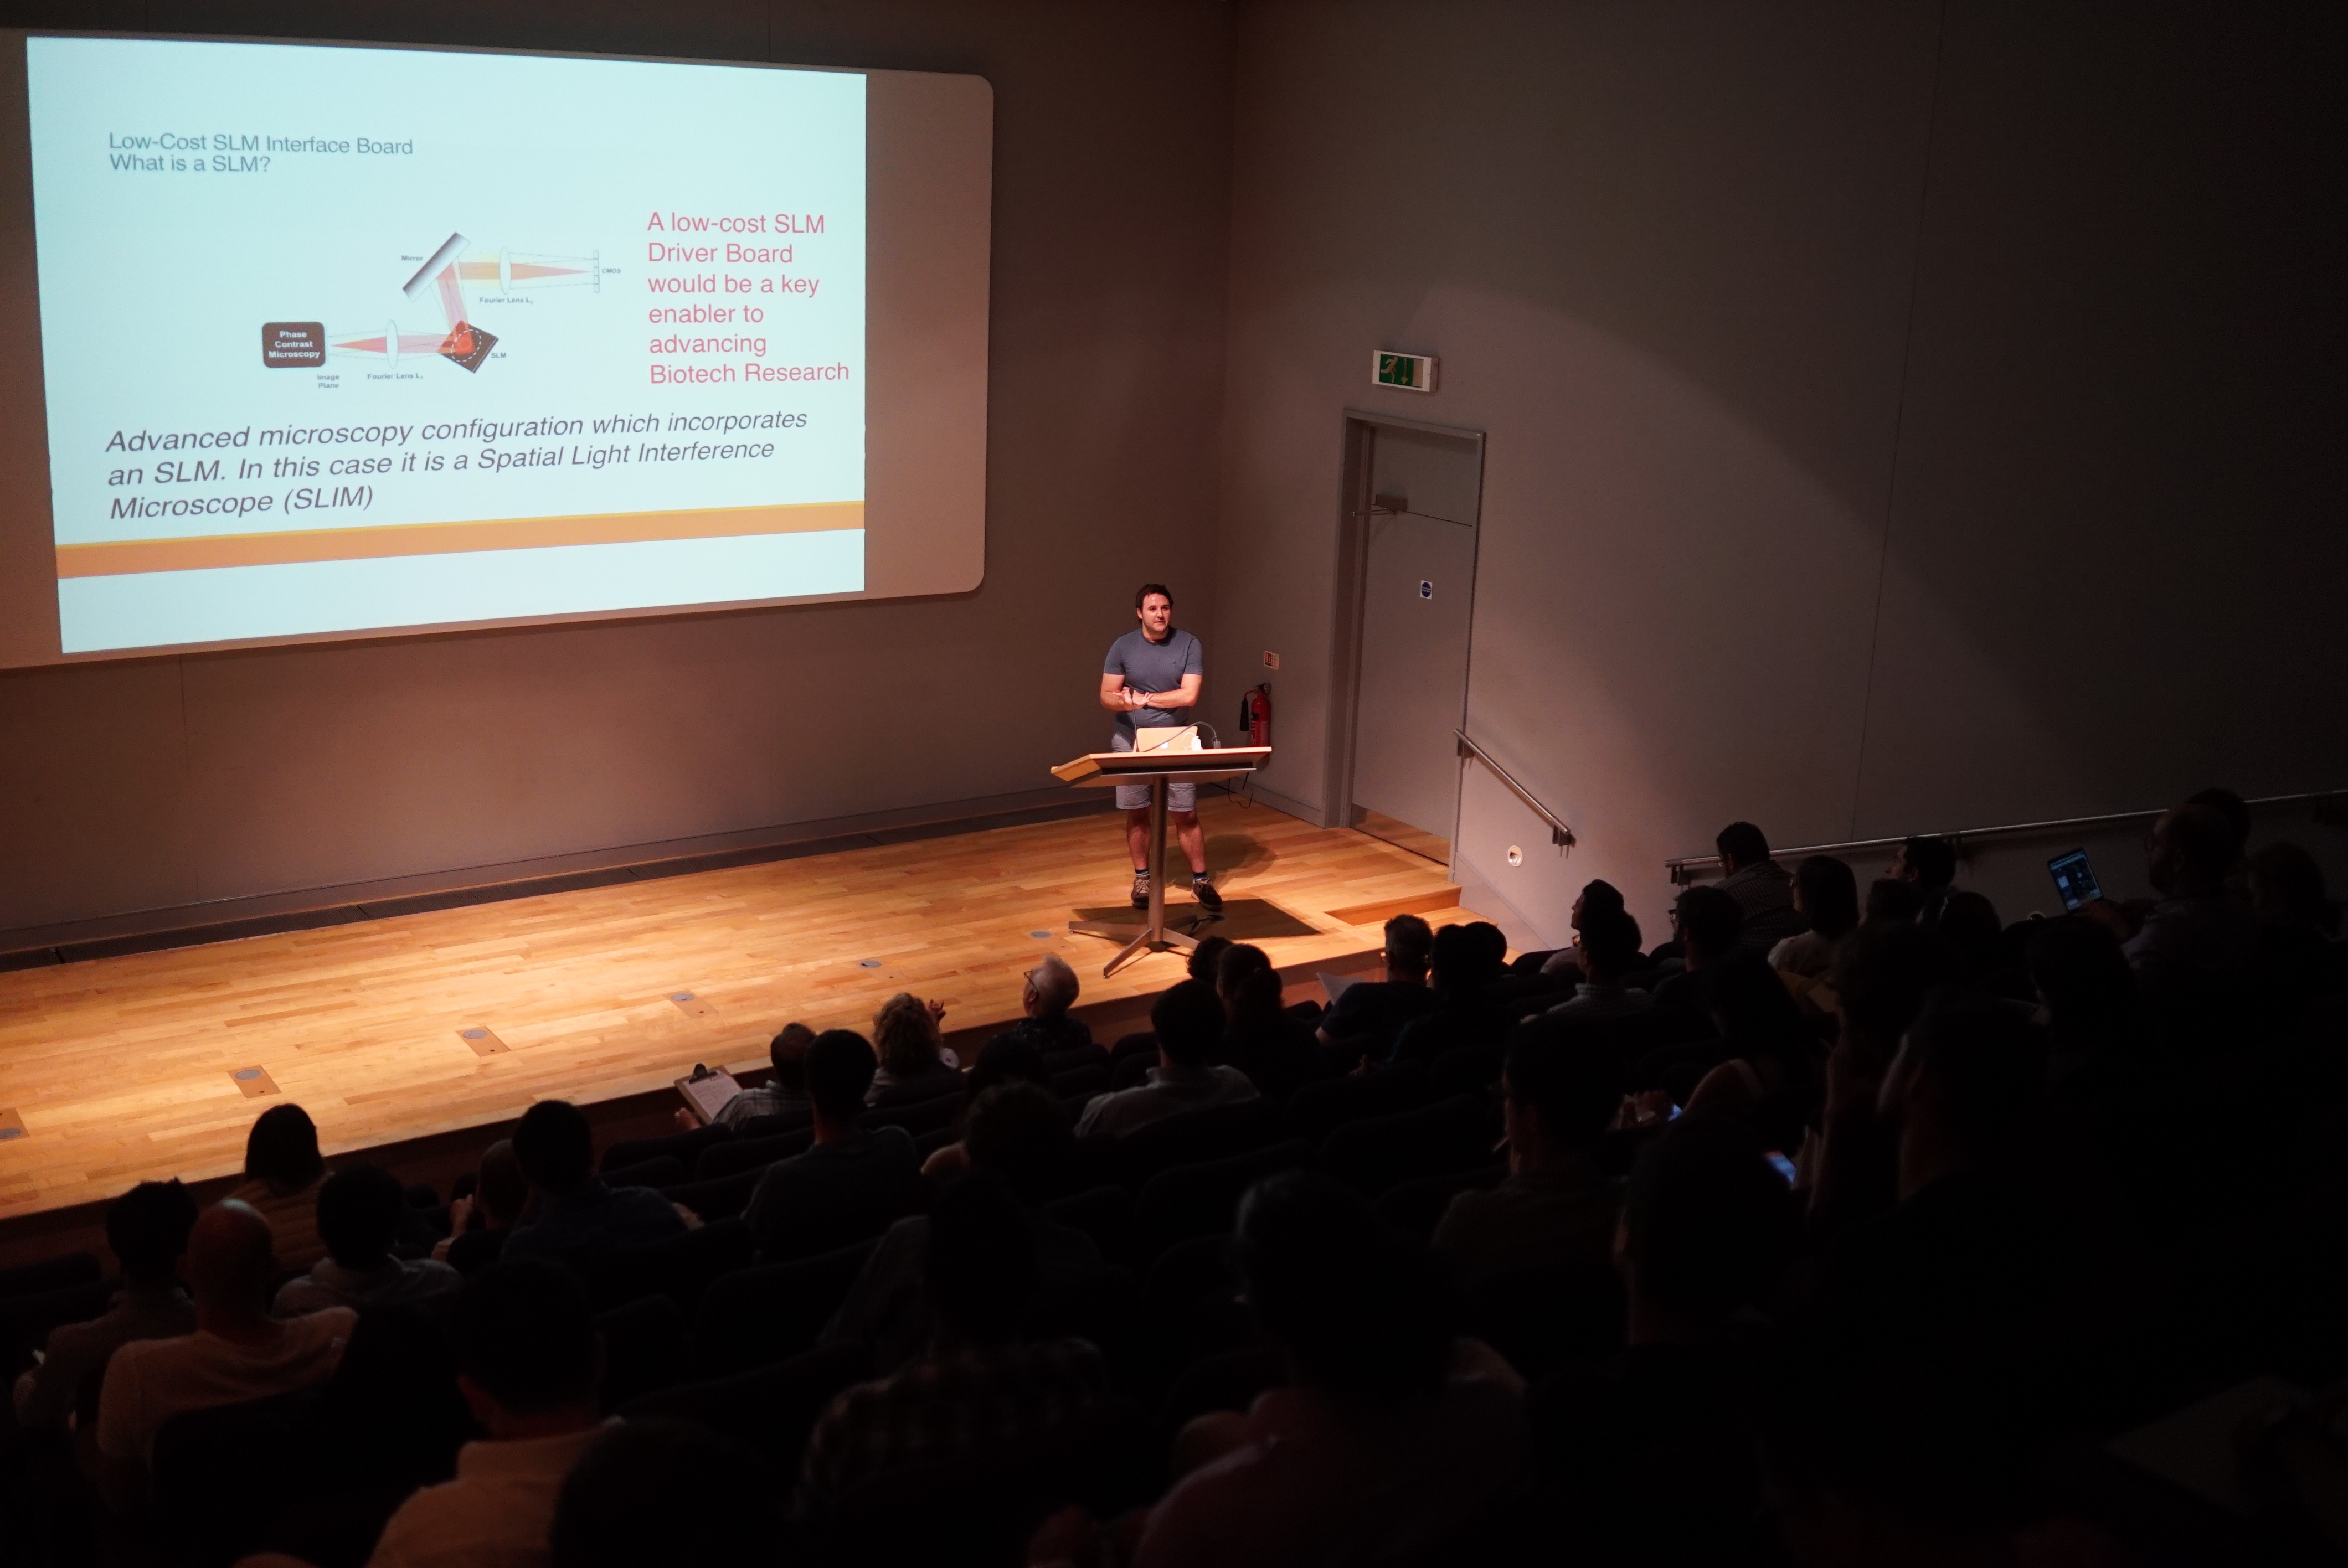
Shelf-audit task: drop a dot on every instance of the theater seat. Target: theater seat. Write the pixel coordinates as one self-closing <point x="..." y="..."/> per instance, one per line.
<point x="1469" y="1069"/>
<point x="205" y="1507"/>
<point x="1315" y="1108"/>
<point x="771" y="1408"/>
<point x="1414" y="1208"/>
<point x="719" y="1199"/>
<point x="1216" y="1133"/>
<point x="756" y="1316"/>
<point x="679" y="1266"/>
<point x="1101" y="1213"/>
<point x="1094" y="1055"/>
<point x="50" y="1273"/>
<point x="683" y="1147"/>
<point x="644" y="1348"/>
<point x="1543" y="1318"/>
<point x="1374" y="1155"/>
<point x="662" y="1171"/>
<point x="919" y="1117"/>
<point x="1088" y="1081"/>
<point x="1202" y="1199"/>
<point x="751" y="1153"/>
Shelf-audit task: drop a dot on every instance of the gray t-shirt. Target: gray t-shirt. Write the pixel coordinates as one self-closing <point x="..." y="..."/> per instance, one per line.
<point x="1149" y="666"/>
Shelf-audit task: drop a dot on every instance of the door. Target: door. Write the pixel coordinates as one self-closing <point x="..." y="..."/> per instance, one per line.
<point x="1418" y="581"/>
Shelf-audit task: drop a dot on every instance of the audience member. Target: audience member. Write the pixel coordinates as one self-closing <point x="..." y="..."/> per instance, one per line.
<point x="1019" y="1135"/>
<point x="1968" y="920"/>
<point x="1009" y="1058"/>
<point x="1610" y="955"/>
<point x="1649" y="1451"/>
<point x="1273" y="1047"/>
<point x="1468" y="961"/>
<point x="785" y="1090"/>
<point x="1188" y="1022"/>
<point x="1826" y="895"/>
<point x="528" y="1360"/>
<point x="238" y="1352"/>
<point x="1047" y="993"/>
<point x="2285" y="888"/>
<point x="358" y="1220"/>
<point x="1891" y="902"/>
<point x="1769" y="1061"/>
<point x="1596" y="897"/>
<point x="1764" y="891"/>
<point x="850" y="1172"/>
<point x="283" y="1174"/>
<point x="2195" y="939"/>
<point x="147" y="1228"/>
<point x="978" y="1392"/>
<point x="645" y="1495"/>
<point x="1710" y="926"/>
<point x="1553" y="1206"/>
<point x="915" y="1062"/>
<point x="576" y="1211"/>
<point x="1362" y="1022"/>
<point x="479" y="1223"/>
<point x="1377" y="1449"/>
<point x="1882" y="974"/>
<point x="2232" y="808"/>
<point x="1928" y="864"/>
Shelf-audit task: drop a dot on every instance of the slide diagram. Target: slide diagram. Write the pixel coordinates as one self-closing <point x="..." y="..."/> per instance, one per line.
<point x="293" y="346"/>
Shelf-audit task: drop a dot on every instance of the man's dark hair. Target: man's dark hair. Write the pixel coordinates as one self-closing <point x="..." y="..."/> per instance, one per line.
<point x="1206" y="958"/>
<point x="1883" y="972"/>
<point x="1022" y="1133"/>
<point x="1983" y="1065"/>
<point x="1933" y="859"/>
<point x="1757" y="1016"/>
<point x="1246" y="983"/>
<point x="1141" y="594"/>
<point x="618" y="1506"/>
<point x="1707" y="1224"/>
<point x="840" y="1069"/>
<point x="525" y="1336"/>
<point x="978" y="1260"/>
<point x="1465" y="959"/>
<point x="1575" y="1088"/>
<point x="1008" y="1058"/>
<point x="283" y="1149"/>
<point x="358" y="1215"/>
<point x="1741" y="845"/>
<point x="2287" y="887"/>
<point x="787" y="1051"/>
<point x="504" y="1186"/>
<point x="2204" y="840"/>
<point x="1599" y="894"/>
<point x="1609" y="942"/>
<point x="1357" y="1309"/>
<point x="147" y="1228"/>
<point x="1189" y="1022"/>
<point x="1709" y="919"/>
<point x="1409" y="944"/>
<point x="1968" y="920"/>
<point x="1830" y="891"/>
<point x="556" y="1147"/>
<point x="2233" y="808"/>
<point x="1891" y="902"/>
<point x="2084" y="979"/>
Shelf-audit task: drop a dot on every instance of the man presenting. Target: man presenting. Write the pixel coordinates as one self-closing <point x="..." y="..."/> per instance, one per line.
<point x="1150" y="678"/>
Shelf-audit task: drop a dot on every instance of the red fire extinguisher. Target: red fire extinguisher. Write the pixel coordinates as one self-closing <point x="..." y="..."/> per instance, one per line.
<point x="1256" y="713"/>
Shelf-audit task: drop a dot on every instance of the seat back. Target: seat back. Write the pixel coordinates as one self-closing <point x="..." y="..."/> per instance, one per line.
<point x="644" y="1348"/>
<point x="771" y="1408"/>
<point x="756" y="1316"/>
<point x="1315" y="1108"/>
<point x="50" y="1273"/>
<point x="1374" y="1155"/>
<point x="719" y="1199"/>
<point x="746" y="1153"/>
<point x="1213" y="1134"/>
<point x="919" y="1116"/>
<point x="683" y="1147"/>
<point x="1101" y="1213"/>
<point x="1088" y="1079"/>
<point x="1202" y="1199"/>
<point x="204" y="1509"/>
<point x="680" y="1267"/>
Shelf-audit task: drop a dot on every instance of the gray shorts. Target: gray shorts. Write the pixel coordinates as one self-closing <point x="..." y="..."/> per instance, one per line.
<point x="1135" y="797"/>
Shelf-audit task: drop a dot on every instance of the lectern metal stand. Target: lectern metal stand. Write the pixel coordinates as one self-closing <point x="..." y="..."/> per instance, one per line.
<point x="1112" y="768"/>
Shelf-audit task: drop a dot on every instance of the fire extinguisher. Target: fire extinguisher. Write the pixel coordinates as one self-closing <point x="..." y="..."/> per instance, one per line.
<point x="1255" y="714"/>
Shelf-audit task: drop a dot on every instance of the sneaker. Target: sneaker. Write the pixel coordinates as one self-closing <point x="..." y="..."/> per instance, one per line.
<point x="1141" y="889"/>
<point x="1204" y="892"/>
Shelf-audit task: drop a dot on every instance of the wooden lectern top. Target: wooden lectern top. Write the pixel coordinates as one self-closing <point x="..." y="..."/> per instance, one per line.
<point x="1224" y="760"/>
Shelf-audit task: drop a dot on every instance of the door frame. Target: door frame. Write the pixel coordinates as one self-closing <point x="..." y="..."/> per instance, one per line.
<point x="1351" y="583"/>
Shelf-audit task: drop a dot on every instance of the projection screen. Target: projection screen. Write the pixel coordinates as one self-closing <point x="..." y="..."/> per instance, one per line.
<point x="313" y="341"/>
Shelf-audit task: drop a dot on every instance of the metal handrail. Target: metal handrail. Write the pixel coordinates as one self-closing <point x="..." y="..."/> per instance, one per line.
<point x="1679" y="865"/>
<point x="1559" y="833"/>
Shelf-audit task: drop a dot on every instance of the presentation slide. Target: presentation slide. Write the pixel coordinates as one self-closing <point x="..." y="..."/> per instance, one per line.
<point x="344" y="339"/>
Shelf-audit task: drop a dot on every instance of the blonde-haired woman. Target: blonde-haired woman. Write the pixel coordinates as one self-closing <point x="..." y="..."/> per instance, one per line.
<point x="914" y="1061"/>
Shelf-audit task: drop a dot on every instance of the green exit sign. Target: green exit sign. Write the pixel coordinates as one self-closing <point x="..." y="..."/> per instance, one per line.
<point x="1411" y="372"/>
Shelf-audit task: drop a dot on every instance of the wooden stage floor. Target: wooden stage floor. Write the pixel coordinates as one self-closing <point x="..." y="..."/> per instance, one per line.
<point x="125" y="1067"/>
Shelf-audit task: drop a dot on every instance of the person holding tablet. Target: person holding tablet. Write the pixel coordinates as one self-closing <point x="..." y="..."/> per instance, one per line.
<point x="1149" y="679"/>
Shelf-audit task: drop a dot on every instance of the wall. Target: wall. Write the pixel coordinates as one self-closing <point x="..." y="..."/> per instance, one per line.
<point x="1901" y="417"/>
<point x="163" y="783"/>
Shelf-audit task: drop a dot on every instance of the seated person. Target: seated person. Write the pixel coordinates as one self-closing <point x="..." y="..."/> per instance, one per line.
<point x="1827" y="894"/>
<point x="2195" y="941"/>
<point x="785" y="1090"/>
<point x="2285" y="886"/>
<point x="479" y="1223"/>
<point x="1710" y="925"/>
<point x="147" y="1228"/>
<point x="577" y="1211"/>
<point x="1018" y="1132"/>
<point x="618" y="1507"/>
<point x="1263" y="1040"/>
<point x="1649" y="1451"/>
<point x="1558" y="1097"/>
<point x="238" y="1352"/>
<point x="283" y="1174"/>
<point x="1008" y="1058"/>
<point x="915" y="1065"/>
<point x="1362" y="1022"/>
<point x="977" y="1389"/>
<point x="1610" y="954"/>
<point x="1892" y="902"/>
<point x="1388" y="1435"/>
<point x="1047" y="992"/>
<point x="1595" y="896"/>
<point x="1928" y="864"/>
<point x="1466" y="961"/>
<point x="852" y="1176"/>
<point x="1764" y="891"/>
<point x="528" y="1361"/>
<point x="1188" y="1022"/>
<point x="1766" y="1067"/>
<point x="358" y="1219"/>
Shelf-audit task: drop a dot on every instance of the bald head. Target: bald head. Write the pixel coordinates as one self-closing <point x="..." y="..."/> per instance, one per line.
<point x="1051" y="987"/>
<point x="232" y="1261"/>
<point x="2193" y="850"/>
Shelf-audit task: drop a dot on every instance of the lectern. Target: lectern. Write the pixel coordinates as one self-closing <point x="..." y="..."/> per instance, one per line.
<point x="1156" y="768"/>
